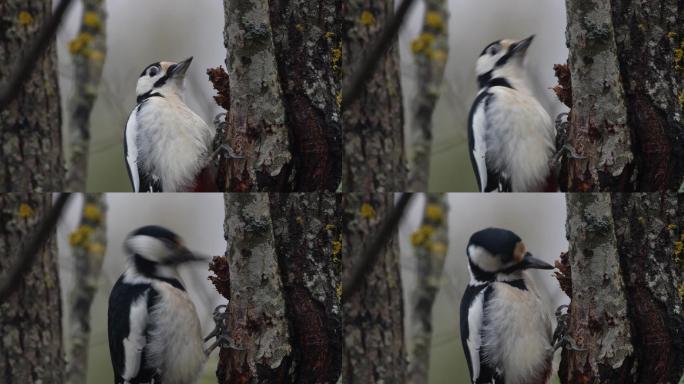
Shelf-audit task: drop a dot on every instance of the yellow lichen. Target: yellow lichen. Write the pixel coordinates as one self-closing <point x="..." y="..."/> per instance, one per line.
<point x="25" y="18"/>
<point x="672" y="35"/>
<point x="92" y="212"/>
<point x="422" y="43"/>
<point x="96" y="55"/>
<point x="338" y="99"/>
<point x="96" y="248"/>
<point x="91" y="19"/>
<point x="681" y="99"/>
<point x="336" y="247"/>
<point x="672" y="227"/>
<point x="422" y="235"/>
<point x="299" y="27"/>
<point x="434" y="212"/>
<point x="641" y="220"/>
<point x="25" y="210"/>
<point x="299" y="220"/>
<point x="434" y="20"/>
<point x="336" y="55"/>
<point x="338" y="291"/>
<point x="681" y="291"/>
<point x="329" y="227"/>
<point x="367" y="18"/>
<point x="80" y="42"/>
<point x="329" y="35"/>
<point x="80" y="235"/>
<point x="678" y="248"/>
<point x="438" y="55"/>
<point x="678" y="54"/>
<point x="438" y="248"/>
<point x="367" y="211"/>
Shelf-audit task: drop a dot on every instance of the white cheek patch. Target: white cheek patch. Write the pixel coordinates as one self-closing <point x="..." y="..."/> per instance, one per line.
<point x="483" y="259"/>
<point x="148" y="246"/>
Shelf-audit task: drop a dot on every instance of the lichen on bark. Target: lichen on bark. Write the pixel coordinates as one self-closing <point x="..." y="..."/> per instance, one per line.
<point x="30" y="136"/>
<point x="373" y="125"/>
<point x="30" y="319"/>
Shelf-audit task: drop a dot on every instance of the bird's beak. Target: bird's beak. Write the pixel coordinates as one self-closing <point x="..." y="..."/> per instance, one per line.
<point x="520" y="48"/>
<point x="184" y="255"/>
<point x="531" y="262"/>
<point x="179" y="69"/>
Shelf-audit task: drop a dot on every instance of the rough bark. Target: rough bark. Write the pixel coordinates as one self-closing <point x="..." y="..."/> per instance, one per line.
<point x="88" y="244"/>
<point x="30" y="126"/>
<point x="30" y="320"/>
<point x="257" y="319"/>
<point x="625" y="261"/>
<point x="431" y="49"/>
<point x="431" y="242"/>
<point x="308" y="233"/>
<point x="650" y="42"/>
<point x="373" y="317"/>
<point x="88" y="49"/>
<point x="627" y="95"/>
<point x="308" y="51"/>
<point x="283" y="112"/>
<point x="284" y="265"/>
<point x="373" y="125"/>
<point x="598" y="119"/>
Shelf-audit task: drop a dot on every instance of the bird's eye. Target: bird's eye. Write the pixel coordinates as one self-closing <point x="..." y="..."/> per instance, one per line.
<point x="494" y="49"/>
<point x="153" y="71"/>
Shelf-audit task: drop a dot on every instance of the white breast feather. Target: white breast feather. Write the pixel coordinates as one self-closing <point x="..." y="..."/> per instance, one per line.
<point x="480" y="145"/>
<point x="132" y="149"/>
<point x="135" y="342"/>
<point x="521" y="137"/>
<point x="517" y="335"/>
<point x="177" y="339"/>
<point x="177" y="142"/>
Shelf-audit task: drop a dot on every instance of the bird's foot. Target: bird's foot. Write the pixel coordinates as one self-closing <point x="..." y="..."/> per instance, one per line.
<point x="561" y="338"/>
<point x="220" y="332"/>
<point x="571" y="153"/>
<point x="228" y="151"/>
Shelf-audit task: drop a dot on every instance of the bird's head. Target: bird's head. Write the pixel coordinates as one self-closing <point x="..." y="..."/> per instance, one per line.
<point x="163" y="77"/>
<point x="153" y="249"/>
<point x="502" y="59"/>
<point x="496" y="251"/>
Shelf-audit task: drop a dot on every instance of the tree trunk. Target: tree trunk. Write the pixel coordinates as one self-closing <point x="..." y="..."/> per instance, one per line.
<point x="430" y="243"/>
<point x="30" y="320"/>
<point x="373" y="317"/>
<point x="625" y="265"/>
<point x="281" y="95"/>
<point x="88" y="245"/>
<point x="627" y="95"/>
<point x="30" y="126"/>
<point x="431" y="49"/>
<point x="284" y="314"/>
<point x="373" y="125"/>
<point x="88" y="49"/>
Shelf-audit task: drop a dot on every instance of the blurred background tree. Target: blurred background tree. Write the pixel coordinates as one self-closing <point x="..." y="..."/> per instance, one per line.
<point x="30" y="318"/>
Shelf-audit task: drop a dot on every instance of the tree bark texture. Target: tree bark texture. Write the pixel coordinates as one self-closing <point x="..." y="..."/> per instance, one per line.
<point x="626" y="269"/>
<point x="88" y="245"/>
<point x="627" y="95"/>
<point x="283" y="109"/>
<point x="88" y="50"/>
<point x="373" y="318"/>
<point x="431" y="242"/>
<point x="30" y="126"/>
<point x="30" y="320"/>
<point x="431" y="49"/>
<point x="284" y="312"/>
<point x="373" y="125"/>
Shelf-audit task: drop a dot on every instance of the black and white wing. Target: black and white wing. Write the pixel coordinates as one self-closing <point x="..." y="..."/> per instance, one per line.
<point x="471" y="316"/>
<point x="488" y="179"/>
<point x="140" y="180"/>
<point x="131" y="149"/>
<point x="128" y="315"/>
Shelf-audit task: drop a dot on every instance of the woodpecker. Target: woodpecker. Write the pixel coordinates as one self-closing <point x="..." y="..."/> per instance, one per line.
<point x="510" y="135"/>
<point x="505" y="329"/>
<point x="167" y="147"/>
<point x="154" y="331"/>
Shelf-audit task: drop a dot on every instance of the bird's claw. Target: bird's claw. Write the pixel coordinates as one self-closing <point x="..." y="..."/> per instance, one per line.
<point x="560" y="335"/>
<point x="220" y="331"/>
<point x="228" y="151"/>
<point x="570" y="150"/>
